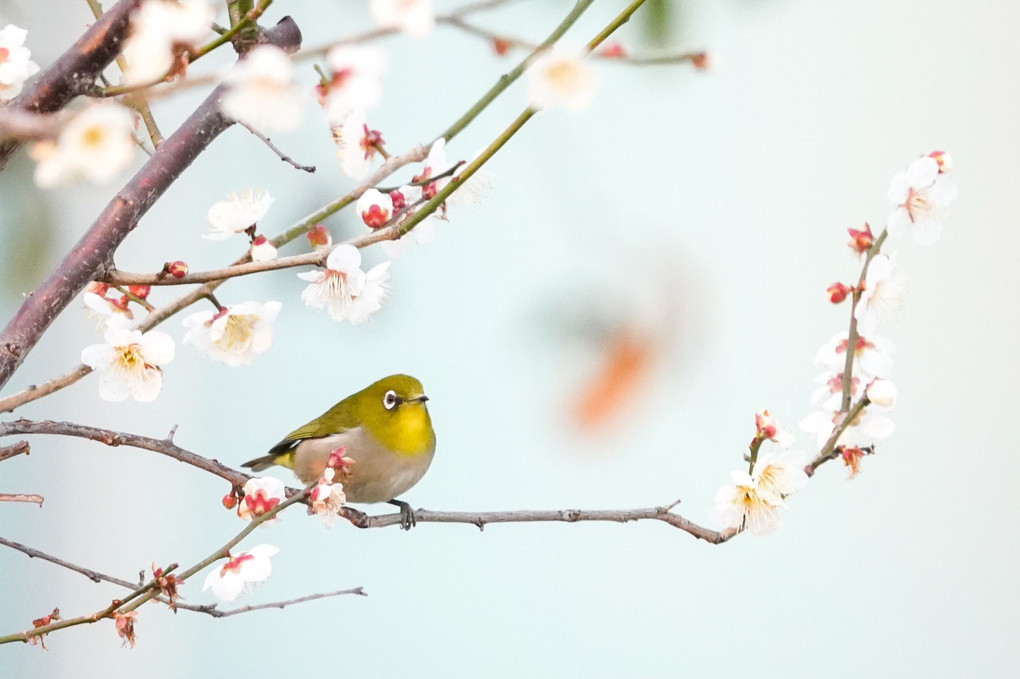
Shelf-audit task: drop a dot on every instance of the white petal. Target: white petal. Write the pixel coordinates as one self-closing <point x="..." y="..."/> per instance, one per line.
<point x="157" y="347"/>
<point x="344" y="258"/>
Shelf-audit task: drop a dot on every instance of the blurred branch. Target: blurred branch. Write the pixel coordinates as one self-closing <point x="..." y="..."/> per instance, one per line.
<point x="21" y="497"/>
<point x="74" y="72"/>
<point x="272" y="147"/>
<point x="93" y="254"/>
<point x="19" y="448"/>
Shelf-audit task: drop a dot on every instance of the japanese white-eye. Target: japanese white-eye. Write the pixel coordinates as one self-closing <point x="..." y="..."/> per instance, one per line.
<point x="385" y="428"/>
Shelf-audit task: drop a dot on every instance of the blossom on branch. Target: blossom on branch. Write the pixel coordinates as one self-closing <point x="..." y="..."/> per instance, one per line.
<point x="95" y="145"/>
<point x="16" y="65"/>
<point x="237" y="213"/>
<point x="375" y="208"/>
<point x="883" y="294"/>
<point x="129" y="362"/>
<point x="240" y="572"/>
<point x="560" y="76"/>
<point x="235" y="334"/>
<point x="343" y="289"/>
<point x="163" y="33"/>
<point x="357" y="146"/>
<point x="262" y="91"/>
<point x="872" y="356"/>
<point x="262" y="249"/>
<point x="355" y="82"/>
<point x="921" y="194"/>
<point x="414" y="18"/>
<point x="261" y="494"/>
<point x="869" y="427"/>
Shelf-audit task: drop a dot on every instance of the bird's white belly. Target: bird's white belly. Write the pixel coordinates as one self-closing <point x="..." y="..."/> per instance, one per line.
<point x="377" y="474"/>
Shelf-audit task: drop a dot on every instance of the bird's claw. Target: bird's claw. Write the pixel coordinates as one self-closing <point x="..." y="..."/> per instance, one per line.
<point x="407" y="518"/>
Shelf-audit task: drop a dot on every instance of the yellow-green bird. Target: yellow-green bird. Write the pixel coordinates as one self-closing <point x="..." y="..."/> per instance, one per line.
<point x="385" y="428"/>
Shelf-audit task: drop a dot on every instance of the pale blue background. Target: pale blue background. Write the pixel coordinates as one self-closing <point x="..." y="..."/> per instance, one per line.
<point x="740" y="182"/>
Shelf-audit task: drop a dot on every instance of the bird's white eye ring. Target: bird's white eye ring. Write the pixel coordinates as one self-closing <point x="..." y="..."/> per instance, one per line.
<point x="391" y="400"/>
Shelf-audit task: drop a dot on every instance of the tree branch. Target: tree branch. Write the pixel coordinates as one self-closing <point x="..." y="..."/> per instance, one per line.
<point x="19" y="448"/>
<point x="75" y="71"/>
<point x="93" y="255"/>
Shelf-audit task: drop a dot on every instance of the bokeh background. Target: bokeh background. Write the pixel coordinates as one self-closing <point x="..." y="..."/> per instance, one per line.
<point x="706" y="211"/>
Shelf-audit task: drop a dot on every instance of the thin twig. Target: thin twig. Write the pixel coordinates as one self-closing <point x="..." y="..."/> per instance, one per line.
<point x="272" y="147"/>
<point x="21" y="497"/>
<point x="19" y="448"/>
<point x="216" y="613"/>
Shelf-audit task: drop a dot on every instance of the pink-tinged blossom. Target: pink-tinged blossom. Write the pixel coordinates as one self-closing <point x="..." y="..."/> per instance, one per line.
<point x="922" y="195"/>
<point x="161" y="37"/>
<point x="262" y="249"/>
<point x="357" y="145"/>
<point x="16" y="65"/>
<point x="375" y="208"/>
<point x="768" y="428"/>
<point x="320" y="238"/>
<point x="261" y="494"/>
<point x="414" y="18"/>
<point x="235" y="334"/>
<point x="829" y="395"/>
<point x="237" y="213"/>
<point x="263" y="93"/>
<point x="861" y="240"/>
<point x="129" y="363"/>
<point x="872" y="356"/>
<point x="560" y="76"/>
<point x="327" y="498"/>
<point x="868" y="427"/>
<point x="343" y="289"/>
<point x="883" y="294"/>
<point x="95" y="146"/>
<point x="355" y="83"/>
<point x="240" y="572"/>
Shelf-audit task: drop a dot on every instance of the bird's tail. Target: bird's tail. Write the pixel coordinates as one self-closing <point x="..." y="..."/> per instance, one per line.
<point x="261" y="463"/>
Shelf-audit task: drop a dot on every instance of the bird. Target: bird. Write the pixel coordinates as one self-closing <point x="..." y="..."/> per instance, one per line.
<point x="385" y="429"/>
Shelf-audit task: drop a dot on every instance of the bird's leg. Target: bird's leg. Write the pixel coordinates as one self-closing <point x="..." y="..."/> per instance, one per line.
<point x="406" y="514"/>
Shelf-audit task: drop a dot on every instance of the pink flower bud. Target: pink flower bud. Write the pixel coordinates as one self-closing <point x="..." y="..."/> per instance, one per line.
<point x="139" y="291"/>
<point x="97" y="288"/>
<point x="229" y="501"/>
<point x="837" y="292"/>
<point x="701" y="61"/>
<point x="861" y="241"/>
<point x="501" y="46"/>
<point x="319" y="236"/>
<point x="944" y="160"/>
<point x="612" y="50"/>
<point x="177" y="269"/>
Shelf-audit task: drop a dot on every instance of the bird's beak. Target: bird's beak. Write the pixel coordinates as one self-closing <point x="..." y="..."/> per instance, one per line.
<point x="420" y="398"/>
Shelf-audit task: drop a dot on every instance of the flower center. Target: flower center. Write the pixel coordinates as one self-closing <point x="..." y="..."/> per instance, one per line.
<point x="130" y="357"/>
<point x="234" y="563"/>
<point x="237" y="332"/>
<point x="4" y="53"/>
<point x="93" y="136"/>
<point x="918" y="205"/>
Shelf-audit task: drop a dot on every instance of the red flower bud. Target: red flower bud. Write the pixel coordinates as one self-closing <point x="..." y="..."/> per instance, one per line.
<point x="139" y="291"/>
<point x="177" y="269"/>
<point x="612" y="50"/>
<point x="861" y="241"/>
<point x="837" y="292"/>
<point x="318" y="235"/>
<point x="97" y="288"/>
<point x="229" y="500"/>
<point x="501" y="46"/>
<point x="701" y="61"/>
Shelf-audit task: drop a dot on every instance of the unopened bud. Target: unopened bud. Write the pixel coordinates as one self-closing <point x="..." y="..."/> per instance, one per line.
<point x="177" y="269"/>
<point x="501" y="46"/>
<point x="944" y="160"/>
<point x="262" y="250"/>
<point x="229" y="501"/>
<point x="837" y="292"/>
<point x="861" y="240"/>
<point x="613" y="50"/>
<point x="881" y="393"/>
<point x="139" y="291"/>
<point x="701" y="61"/>
<point x="399" y="201"/>
<point x="319" y="237"/>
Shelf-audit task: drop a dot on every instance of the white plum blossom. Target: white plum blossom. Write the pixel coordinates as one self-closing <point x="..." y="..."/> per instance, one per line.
<point x="327" y="498"/>
<point x="829" y="395"/>
<point x="343" y="289"/>
<point x="233" y="335"/>
<point x="16" y="65"/>
<point x="780" y="474"/>
<point x="741" y="505"/>
<point x="95" y="145"/>
<point x="882" y="393"/>
<point x="129" y="362"/>
<point x="162" y="31"/>
<point x="560" y="76"/>
<point x="922" y="195"/>
<point x="356" y="81"/>
<point x="262" y="249"/>
<point x="241" y="571"/>
<point x="872" y="356"/>
<point x="237" y="213"/>
<point x="355" y="145"/>
<point x="769" y="428"/>
<point x="261" y="494"/>
<point x="375" y="208"/>
<point x="263" y="93"/>
<point x="414" y="18"/>
<point x="883" y="294"/>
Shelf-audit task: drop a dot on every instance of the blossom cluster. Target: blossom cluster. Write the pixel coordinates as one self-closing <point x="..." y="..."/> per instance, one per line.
<point x="855" y="394"/>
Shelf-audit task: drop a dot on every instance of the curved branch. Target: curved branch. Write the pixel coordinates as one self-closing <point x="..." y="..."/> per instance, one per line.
<point x="75" y="71"/>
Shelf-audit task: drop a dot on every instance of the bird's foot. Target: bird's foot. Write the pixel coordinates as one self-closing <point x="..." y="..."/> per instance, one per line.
<point x="407" y="519"/>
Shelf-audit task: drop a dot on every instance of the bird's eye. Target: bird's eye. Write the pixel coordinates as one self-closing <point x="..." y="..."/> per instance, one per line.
<point x="391" y="400"/>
